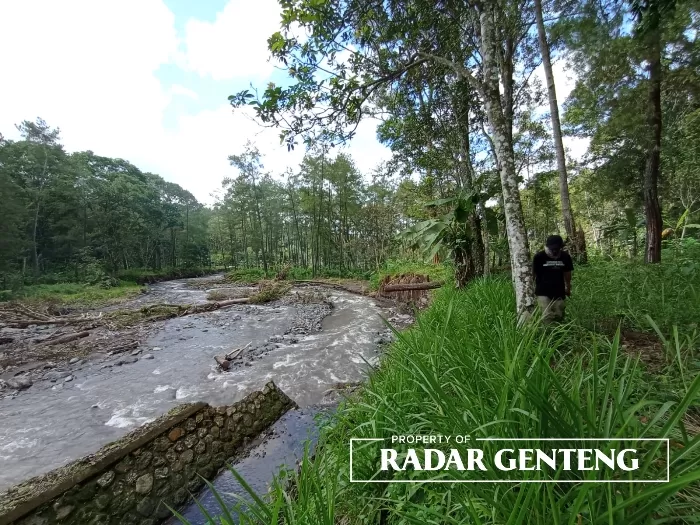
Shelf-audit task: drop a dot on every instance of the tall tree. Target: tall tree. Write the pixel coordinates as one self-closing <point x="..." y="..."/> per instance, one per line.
<point x="649" y="16"/>
<point x="578" y="240"/>
<point x="388" y="40"/>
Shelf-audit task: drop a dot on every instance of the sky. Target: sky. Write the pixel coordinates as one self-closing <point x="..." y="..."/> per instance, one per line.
<point x="148" y="81"/>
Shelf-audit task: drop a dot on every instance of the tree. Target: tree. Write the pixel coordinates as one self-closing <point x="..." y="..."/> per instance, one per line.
<point x="649" y="17"/>
<point x="385" y="41"/>
<point x="579" y="246"/>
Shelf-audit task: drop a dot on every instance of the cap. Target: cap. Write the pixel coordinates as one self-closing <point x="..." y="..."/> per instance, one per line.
<point x="555" y="241"/>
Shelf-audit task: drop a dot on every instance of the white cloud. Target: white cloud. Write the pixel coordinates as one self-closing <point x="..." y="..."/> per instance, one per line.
<point x="201" y="165"/>
<point x="177" y="89"/>
<point x="235" y="44"/>
<point x="87" y="67"/>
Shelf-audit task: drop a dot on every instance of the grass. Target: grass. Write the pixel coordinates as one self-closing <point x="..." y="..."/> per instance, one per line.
<point x="253" y="275"/>
<point x="142" y="276"/>
<point x="605" y="293"/>
<point x="224" y="294"/>
<point x="436" y="272"/>
<point x="466" y="369"/>
<point x="245" y="275"/>
<point x="77" y="294"/>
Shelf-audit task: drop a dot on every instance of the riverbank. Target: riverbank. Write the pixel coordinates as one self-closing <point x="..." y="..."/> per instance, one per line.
<point x="465" y="368"/>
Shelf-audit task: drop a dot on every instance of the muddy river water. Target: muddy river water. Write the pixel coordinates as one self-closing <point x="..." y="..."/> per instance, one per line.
<point x="51" y="424"/>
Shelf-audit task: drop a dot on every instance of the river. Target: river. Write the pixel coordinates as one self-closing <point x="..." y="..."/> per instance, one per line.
<point x="51" y="424"/>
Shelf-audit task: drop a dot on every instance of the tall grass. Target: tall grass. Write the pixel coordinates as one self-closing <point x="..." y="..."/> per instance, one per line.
<point x="627" y="292"/>
<point x="76" y="293"/>
<point x="466" y="369"/>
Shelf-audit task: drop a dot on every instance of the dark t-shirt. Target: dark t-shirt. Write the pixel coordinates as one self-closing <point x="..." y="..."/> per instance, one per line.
<point x="549" y="274"/>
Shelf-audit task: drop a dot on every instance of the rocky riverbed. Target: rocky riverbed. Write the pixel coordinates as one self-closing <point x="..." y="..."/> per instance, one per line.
<point x="59" y="402"/>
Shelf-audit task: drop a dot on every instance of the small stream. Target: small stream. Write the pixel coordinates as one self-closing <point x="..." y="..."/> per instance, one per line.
<point x="52" y="424"/>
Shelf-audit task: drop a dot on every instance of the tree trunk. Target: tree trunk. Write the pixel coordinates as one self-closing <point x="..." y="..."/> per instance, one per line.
<point x="652" y="208"/>
<point x="476" y="253"/>
<point x="567" y="214"/>
<point x="521" y="269"/>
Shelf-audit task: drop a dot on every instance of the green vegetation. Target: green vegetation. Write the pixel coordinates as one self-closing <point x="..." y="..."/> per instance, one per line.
<point x="246" y="275"/>
<point x="141" y="276"/>
<point x="436" y="272"/>
<point x="270" y="291"/>
<point x="466" y="368"/>
<point x="76" y="294"/>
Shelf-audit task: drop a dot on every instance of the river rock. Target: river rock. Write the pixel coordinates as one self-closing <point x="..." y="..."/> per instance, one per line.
<point x="126" y="361"/>
<point x="20" y="382"/>
<point x="144" y="484"/>
<point x="155" y="348"/>
<point x="73" y="361"/>
<point x="147" y="356"/>
<point x="68" y="379"/>
<point x="55" y="375"/>
<point x="136" y="352"/>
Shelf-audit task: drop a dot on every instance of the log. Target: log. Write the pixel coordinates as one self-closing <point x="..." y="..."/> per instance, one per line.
<point x="229" y="302"/>
<point x="222" y="362"/>
<point x="25" y="324"/>
<point x="66" y="338"/>
<point x="412" y="286"/>
<point x="238" y="352"/>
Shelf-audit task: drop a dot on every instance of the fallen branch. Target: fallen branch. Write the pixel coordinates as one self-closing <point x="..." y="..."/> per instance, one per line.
<point x="238" y="352"/>
<point x="66" y="338"/>
<point x="411" y="286"/>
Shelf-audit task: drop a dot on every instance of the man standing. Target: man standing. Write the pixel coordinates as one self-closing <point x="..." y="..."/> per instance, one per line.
<point x="552" y="267"/>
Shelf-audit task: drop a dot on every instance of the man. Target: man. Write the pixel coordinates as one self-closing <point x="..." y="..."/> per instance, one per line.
<point x="552" y="267"/>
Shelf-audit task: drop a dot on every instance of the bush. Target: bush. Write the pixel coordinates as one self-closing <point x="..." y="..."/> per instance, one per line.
<point x="246" y="275"/>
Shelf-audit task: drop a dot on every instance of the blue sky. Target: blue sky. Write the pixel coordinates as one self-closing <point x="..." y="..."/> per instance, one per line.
<point x="148" y="81"/>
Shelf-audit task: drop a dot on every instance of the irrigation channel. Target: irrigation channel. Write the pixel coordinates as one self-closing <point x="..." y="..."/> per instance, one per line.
<point x="305" y="346"/>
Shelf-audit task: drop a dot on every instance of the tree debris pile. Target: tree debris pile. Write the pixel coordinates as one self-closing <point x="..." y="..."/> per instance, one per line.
<point x="408" y="287"/>
<point x="269" y="291"/>
<point x="18" y="315"/>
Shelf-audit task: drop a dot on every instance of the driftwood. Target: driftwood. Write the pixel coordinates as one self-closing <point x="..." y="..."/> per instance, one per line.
<point x="200" y="308"/>
<point x="411" y="286"/>
<point x="66" y="338"/>
<point x="238" y="352"/>
<point x="222" y="362"/>
<point x="21" y="316"/>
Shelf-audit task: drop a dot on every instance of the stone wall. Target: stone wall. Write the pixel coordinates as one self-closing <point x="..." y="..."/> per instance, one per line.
<point x="130" y="481"/>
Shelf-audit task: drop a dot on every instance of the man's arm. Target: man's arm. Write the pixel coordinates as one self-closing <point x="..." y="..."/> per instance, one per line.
<point x="567" y="283"/>
<point x="567" y="274"/>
